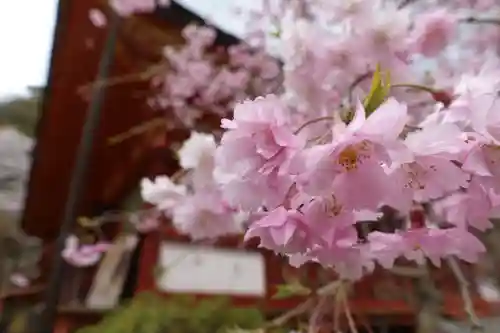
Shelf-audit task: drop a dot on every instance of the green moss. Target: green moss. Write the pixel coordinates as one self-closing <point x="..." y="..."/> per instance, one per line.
<point x="21" y="113"/>
<point x="148" y="313"/>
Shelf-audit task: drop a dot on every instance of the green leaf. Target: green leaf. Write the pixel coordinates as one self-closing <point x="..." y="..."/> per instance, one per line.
<point x="290" y="290"/>
<point x="276" y="32"/>
<point x="379" y="90"/>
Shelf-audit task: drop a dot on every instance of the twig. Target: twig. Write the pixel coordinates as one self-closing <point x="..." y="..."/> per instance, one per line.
<point x="128" y="78"/>
<point x="135" y="131"/>
<point x="414" y="272"/>
<point x="405" y="3"/>
<point x="350" y="319"/>
<point x="283" y="319"/>
<point x="476" y="20"/>
<point x="366" y="325"/>
<point x="316" y="314"/>
<point x="428" y="301"/>
<point x="311" y="122"/>
<point x="355" y="83"/>
<point x="414" y="87"/>
<point x="328" y="289"/>
<point x="336" y="317"/>
<point x="178" y="175"/>
<point x="466" y="296"/>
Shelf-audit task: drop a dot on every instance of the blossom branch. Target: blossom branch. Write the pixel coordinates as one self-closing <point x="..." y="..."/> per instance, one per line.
<point x="275" y="162"/>
<point x="466" y="296"/>
<point x="134" y="131"/>
<point x="315" y="318"/>
<point x="406" y="3"/>
<point x="311" y="122"/>
<point x="307" y="305"/>
<point x="356" y="82"/>
<point x="429" y="303"/>
<point x="414" y="87"/>
<point x="128" y="78"/>
<point x="178" y="175"/>
<point x="350" y="319"/>
<point x="477" y="20"/>
<point x="297" y="311"/>
<point x="414" y="272"/>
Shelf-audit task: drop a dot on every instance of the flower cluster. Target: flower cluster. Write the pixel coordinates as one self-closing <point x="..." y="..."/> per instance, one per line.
<point x="378" y="148"/>
<point x="201" y="80"/>
<point x="194" y="200"/>
<point x="315" y="164"/>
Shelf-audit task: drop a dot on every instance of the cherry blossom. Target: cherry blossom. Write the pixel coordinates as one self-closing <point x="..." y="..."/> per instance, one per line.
<point x="193" y="201"/>
<point x="82" y="255"/>
<point x="433" y="31"/>
<point x="97" y="18"/>
<point x="162" y="192"/>
<point x="201" y="81"/>
<point x="355" y="158"/>
<point x="376" y="106"/>
<point x="19" y="280"/>
<point x="129" y="7"/>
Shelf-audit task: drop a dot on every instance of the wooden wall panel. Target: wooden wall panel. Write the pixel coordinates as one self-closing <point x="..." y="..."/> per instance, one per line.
<point x="114" y="170"/>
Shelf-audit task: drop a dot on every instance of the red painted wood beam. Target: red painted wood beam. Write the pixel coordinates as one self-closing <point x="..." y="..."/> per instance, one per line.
<point x="116" y="169"/>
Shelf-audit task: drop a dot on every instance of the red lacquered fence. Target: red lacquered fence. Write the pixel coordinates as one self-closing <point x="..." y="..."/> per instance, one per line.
<point x="380" y="294"/>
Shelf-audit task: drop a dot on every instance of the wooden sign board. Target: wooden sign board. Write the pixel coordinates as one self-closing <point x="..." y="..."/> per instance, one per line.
<point x="171" y="265"/>
<point x="196" y="269"/>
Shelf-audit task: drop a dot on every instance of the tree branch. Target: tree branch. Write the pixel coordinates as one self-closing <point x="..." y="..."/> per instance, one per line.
<point x="328" y="289"/>
<point x="466" y="296"/>
<point x="405" y="3"/>
<point x="477" y="20"/>
<point x="413" y="272"/>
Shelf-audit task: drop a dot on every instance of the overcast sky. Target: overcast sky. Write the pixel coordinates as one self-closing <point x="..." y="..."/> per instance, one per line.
<point x="26" y="32"/>
<point x="26" y="29"/>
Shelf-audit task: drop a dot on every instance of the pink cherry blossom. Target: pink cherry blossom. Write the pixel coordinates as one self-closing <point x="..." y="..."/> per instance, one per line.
<point x="205" y="215"/>
<point x="418" y="244"/>
<point x="197" y="154"/>
<point x="281" y="230"/>
<point x="162" y="192"/>
<point x="251" y="193"/>
<point x="385" y="248"/>
<point x="469" y="208"/>
<point x="433" y="31"/>
<point x="351" y="166"/>
<point x="262" y="126"/>
<point x="258" y="146"/>
<point x="312" y="148"/>
<point x="202" y="81"/>
<point x="97" y="18"/>
<point x="422" y="243"/>
<point x="129" y="7"/>
<point x="482" y="159"/>
<point x="350" y="259"/>
<point x="83" y="255"/>
<point x="193" y="202"/>
<point x="19" y="280"/>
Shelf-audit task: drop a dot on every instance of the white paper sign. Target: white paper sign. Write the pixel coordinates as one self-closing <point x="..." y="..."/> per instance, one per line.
<point x="205" y="270"/>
